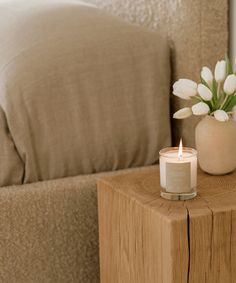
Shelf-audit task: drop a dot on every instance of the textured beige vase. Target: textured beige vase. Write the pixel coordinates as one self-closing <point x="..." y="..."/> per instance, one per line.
<point x="216" y="145"/>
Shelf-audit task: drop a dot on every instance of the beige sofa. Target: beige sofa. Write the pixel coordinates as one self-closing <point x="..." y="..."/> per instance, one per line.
<point x="49" y="227"/>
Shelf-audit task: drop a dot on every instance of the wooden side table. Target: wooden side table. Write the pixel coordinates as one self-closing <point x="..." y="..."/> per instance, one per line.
<point x="146" y="239"/>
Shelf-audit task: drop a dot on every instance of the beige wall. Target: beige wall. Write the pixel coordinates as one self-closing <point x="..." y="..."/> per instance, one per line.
<point x="198" y="33"/>
<point x="233" y="30"/>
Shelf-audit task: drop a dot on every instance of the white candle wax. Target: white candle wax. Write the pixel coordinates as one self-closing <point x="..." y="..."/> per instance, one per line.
<point x="171" y="156"/>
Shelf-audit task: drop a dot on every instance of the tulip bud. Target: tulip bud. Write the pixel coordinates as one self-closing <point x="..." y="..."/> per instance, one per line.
<point x="221" y="115"/>
<point x="220" y="71"/>
<point x="183" y="113"/>
<point x="204" y="92"/>
<point x="200" y="108"/>
<point x="185" y="88"/>
<point x="207" y="75"/>
<point x="230" y="84"/>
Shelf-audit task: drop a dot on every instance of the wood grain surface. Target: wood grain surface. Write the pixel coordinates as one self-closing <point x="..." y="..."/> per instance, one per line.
<point x="146" y="239"/>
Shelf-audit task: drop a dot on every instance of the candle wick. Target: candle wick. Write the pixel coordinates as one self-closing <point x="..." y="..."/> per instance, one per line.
<point x="181" y="157"/>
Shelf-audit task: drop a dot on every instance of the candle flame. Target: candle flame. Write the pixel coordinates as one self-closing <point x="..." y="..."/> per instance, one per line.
<point x="180" y="152"/>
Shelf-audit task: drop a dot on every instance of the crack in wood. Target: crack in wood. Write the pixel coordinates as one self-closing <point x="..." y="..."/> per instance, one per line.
<point x="212" y="234"/>
<point x="188" y="237"/>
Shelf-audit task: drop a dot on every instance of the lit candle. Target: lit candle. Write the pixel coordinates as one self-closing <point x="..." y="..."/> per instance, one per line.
<point x="178" y="172"/>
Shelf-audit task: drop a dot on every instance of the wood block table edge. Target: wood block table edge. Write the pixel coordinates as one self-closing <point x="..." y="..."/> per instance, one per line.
<point x="144" y="238"/>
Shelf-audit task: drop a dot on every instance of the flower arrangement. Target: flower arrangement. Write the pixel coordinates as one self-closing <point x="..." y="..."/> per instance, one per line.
<point x="214" y="95"/>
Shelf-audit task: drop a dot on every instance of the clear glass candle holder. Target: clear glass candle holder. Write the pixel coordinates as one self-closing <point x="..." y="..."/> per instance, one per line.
<point x="178" y="173"/>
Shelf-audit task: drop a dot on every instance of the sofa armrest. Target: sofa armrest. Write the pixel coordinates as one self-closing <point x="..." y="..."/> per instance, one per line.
<point x="48" y="232"/>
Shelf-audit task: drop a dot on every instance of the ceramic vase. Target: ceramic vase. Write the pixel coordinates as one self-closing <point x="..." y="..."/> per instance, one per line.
<point x="216" y="145"/>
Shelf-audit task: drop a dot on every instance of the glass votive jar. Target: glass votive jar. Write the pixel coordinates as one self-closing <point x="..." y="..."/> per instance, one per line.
<point x="178" y="173"/>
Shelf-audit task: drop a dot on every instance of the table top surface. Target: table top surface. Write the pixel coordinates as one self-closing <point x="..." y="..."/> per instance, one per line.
<point x="215" y="193"/>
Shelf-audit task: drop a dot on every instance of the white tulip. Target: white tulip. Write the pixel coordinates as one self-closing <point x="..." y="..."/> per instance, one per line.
<point x="230" y="84"/>
<point x="185" y="88"/>
<point x="200" y="108"/>
<point x="220" y="71"/>
<point x="204" y="92"/>
<point x="207" y="75"/>
<point x="234" y="113"/>
<point x="221" y="115"/>
<point x="183" y="113"/>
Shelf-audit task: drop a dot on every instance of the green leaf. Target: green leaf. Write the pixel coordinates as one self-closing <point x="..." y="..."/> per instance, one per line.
<point x="230" y="104"/>
<point x="226" y="106"/>
<point x="229" y="68"/>
<point x="209" y="104"/>
<point x="233" y="104"/>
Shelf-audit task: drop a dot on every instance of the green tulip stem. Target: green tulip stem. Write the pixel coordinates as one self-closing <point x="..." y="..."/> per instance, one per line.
<point x="223" y="103"/>
<point x="196" y="97"/>
<point x="218" y="90"/>
<point x="212" y="104"/>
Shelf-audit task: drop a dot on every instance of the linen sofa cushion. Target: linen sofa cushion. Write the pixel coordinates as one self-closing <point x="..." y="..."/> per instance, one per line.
<point x="81" y="90"/>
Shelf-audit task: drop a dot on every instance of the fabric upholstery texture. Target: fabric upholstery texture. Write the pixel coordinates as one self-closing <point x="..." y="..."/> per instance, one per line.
<point x="198" y="34"/>
<point x="82" y="91"/>
<point x="49" y="231"/>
